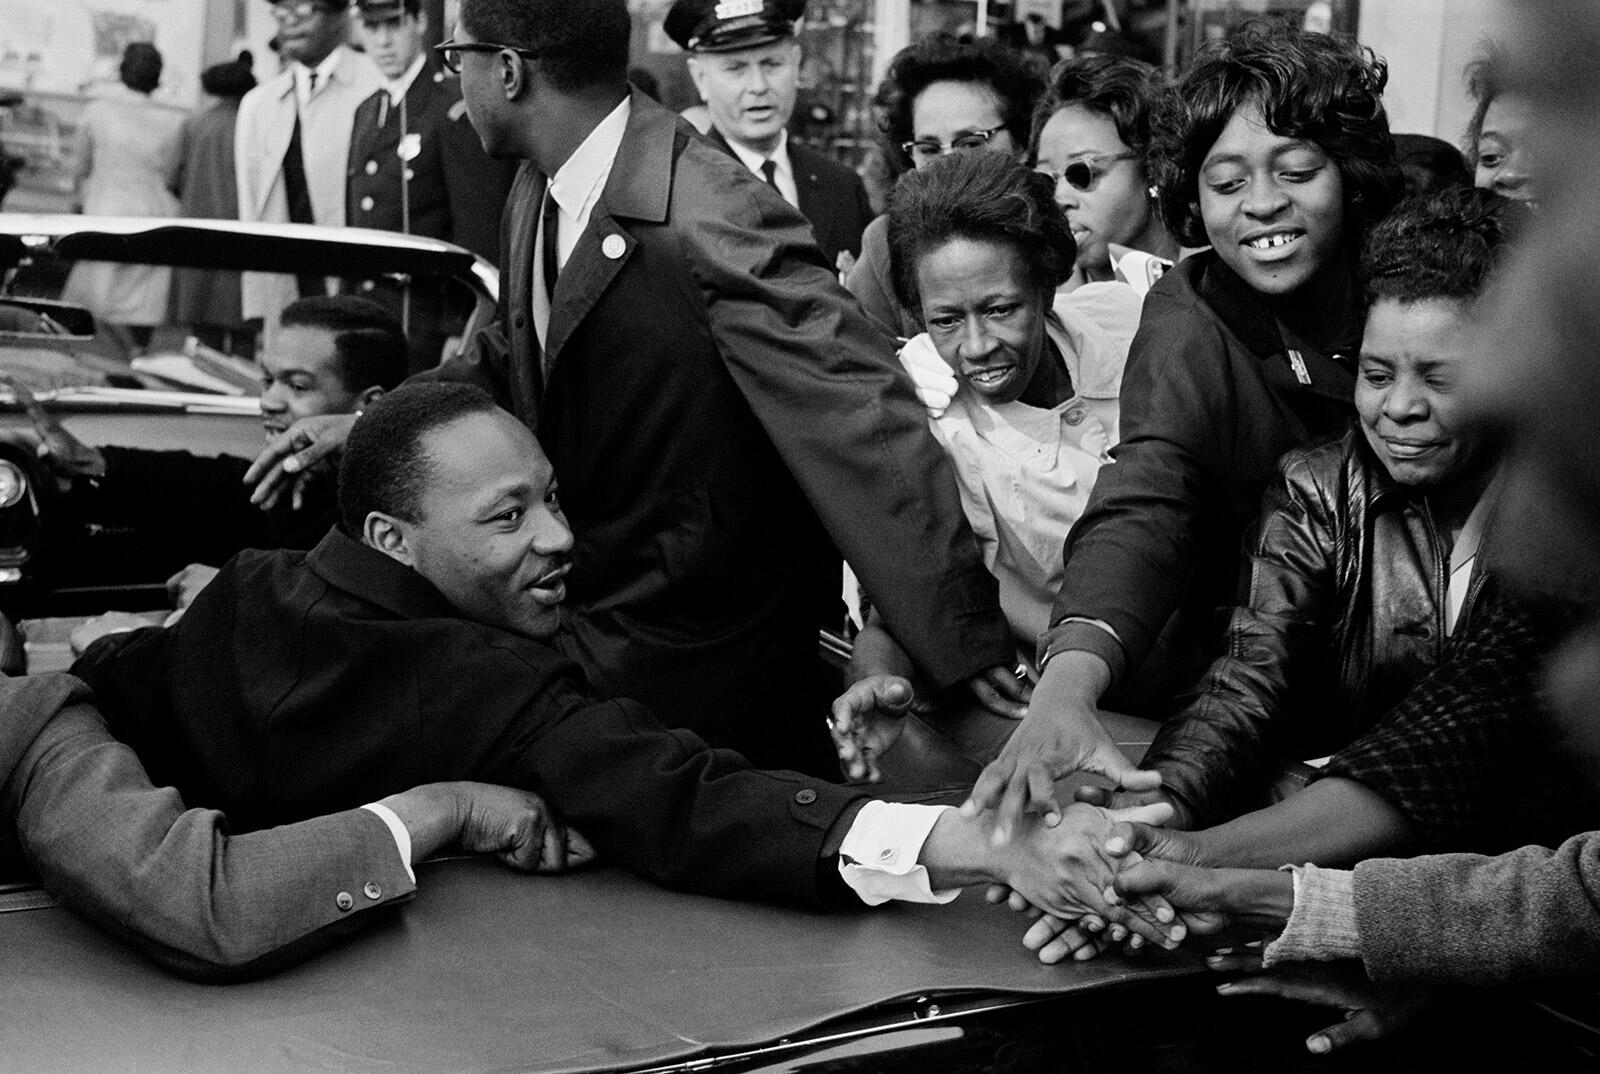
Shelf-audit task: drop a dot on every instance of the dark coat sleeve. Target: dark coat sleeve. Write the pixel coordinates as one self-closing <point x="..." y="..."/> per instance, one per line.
<point x="825" y="385"/>
<point x="1131" y="559"/>
<point x="1214" y="755"/>
<point x="172" y="881"/>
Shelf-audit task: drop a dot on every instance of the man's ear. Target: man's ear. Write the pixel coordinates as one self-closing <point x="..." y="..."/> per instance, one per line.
<point x="697" y="74"/>
<point x="388" y="535"/>
<point x="368" y="396"/>
<point x="514" y="80"/>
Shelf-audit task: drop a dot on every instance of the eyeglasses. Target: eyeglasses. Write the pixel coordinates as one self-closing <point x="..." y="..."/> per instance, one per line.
<point x="923" y="151"/>
<point x="450" y="52"/>
<point x="284" y="10"/>
<point x="1085" y="172"/>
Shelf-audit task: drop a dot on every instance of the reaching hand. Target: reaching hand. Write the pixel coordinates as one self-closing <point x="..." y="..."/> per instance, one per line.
<point x="518" y="828"/>
<point x="1003" y="691"/>
<point x="68" y="456"/>
<point x="184" y="586"/>
<point x="1371" y="1011"/>
<point x="1065" y="872"/>
<point x="935" y="382"/>
<point x="282" y="465"/>
<point x="867" y="719"/>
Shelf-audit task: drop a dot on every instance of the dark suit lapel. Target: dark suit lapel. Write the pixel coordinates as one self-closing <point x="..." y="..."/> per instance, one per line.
<point x="594" y="263"/>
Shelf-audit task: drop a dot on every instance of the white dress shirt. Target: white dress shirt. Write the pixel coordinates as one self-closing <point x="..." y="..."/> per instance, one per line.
<point x="783" y="177"/>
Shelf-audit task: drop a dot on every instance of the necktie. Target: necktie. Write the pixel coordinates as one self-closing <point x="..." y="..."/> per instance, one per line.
<point x="298" y="194"/>
<point x="769" y="171"/>
<point x="552" y="238"/>
<point x="312" y="83"/>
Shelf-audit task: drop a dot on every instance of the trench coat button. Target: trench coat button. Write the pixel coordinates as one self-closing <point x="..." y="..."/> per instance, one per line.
<point x="410" y="175"/>
<point x="367" y="285"/>
<point x="344" y="901"/>
<point x="614" y="246"/>
<point x="372" y="891"/>
<point x="366" y="204"/>
<point x="805" y="797"/>
<point x="372" y="167"/>
<point x="520" y="321"/>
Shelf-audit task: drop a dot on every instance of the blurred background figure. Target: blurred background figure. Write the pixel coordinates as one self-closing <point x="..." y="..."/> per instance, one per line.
<point x="1498" y="133"/>
<point x="207" y="300"/>
<point x="127" y="152"/>
<point x="1429" y="164"/>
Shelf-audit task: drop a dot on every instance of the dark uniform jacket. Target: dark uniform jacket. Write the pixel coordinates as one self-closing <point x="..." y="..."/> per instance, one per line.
<point x="305" y="683"/>
<point x="451" y="189"/>
<point x="712" y="390"/>
<point x="1211" y="399"/>
<point x="832" y="198"/>
<point x="1346" y="611"/>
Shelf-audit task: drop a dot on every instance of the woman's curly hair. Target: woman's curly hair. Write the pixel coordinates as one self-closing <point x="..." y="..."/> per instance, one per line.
<point x="1484" y="76"/>
<point x="982" y="196"/>
<point x="1320" y="88"/>
<point x="1120" y="87"/>
<point x="1441" y="245"/>
<point x="1016" y="79"/>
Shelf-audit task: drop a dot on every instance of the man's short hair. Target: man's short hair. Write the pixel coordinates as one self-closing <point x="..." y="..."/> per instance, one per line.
<point x="385" y="467"/>
<point x="580" y="43"/>
<point x="367" y="338"/>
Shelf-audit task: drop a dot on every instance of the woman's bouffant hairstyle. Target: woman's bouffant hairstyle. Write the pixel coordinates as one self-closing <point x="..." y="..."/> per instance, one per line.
<point x="1320" y="88"/>
<point x="1484" y="76"/>
<point x="982" y="196"/>
<point x="141" y="67"/>
<point x="1447" y="244"/>
<point x="1120" y="87"/>
<point x="1016" y="78"/>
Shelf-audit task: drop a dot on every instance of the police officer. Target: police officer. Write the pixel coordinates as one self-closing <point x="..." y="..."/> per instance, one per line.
<point x="417" y="166"/>
<point x="745" y="62"/>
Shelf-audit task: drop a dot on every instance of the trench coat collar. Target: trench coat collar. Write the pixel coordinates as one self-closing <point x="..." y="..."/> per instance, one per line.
<point x="368" y="574"/>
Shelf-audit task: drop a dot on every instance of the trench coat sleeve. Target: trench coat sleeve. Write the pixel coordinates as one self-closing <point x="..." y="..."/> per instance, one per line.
<point x="1130" y="559"/>
<point x="172" y="881"/>
<point x="1525" y="917"/>
<point x="1214" y="755"/>
<point x="823" y="381"/>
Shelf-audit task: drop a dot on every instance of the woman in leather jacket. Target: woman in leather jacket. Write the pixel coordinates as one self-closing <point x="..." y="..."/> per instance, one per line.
<point x="1363" y="564"/>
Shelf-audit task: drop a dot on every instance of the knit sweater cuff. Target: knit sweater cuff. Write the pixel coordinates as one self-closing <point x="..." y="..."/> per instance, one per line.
<point x="1322" y="925"/>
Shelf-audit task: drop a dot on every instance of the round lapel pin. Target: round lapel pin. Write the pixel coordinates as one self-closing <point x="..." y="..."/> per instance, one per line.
<point x="614" y="246"/>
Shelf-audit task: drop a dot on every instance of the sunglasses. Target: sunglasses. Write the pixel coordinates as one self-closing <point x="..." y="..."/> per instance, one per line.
<point x="449" y="52"/>
<point x="1085" y="172"/>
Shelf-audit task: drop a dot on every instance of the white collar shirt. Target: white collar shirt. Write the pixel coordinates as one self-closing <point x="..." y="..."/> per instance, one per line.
<point x="783" y="176"/>
<point x="399" y="87"/>
<point x="325" y="71"/>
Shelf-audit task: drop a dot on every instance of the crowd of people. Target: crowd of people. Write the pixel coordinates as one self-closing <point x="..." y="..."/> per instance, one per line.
<point x="1202" y="401"/>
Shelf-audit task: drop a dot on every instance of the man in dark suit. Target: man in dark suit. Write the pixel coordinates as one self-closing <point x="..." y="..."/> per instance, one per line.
<point x="706" y="390"/>
<point x="79" y="810"/>
<point x="421" y="640"/>
<point x="745" y="62"/>
<point x="416" y="166"/>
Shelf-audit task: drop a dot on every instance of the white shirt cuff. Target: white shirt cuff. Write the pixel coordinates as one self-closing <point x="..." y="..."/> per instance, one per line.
<point x="878" y="858"/>
<point x="402" y="837"/>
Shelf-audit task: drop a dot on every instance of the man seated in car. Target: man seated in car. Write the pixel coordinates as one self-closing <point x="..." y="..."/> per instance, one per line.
<point x="334" y="355"/>
<point x="421" y="640"/>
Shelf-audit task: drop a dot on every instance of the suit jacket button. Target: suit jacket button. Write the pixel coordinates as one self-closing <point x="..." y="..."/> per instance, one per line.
<point x="366" y="204"/>
<point x="344" y="901"/>
<point x="372" y="891"/>
<point x="520" y="321"/>
<point x="372" y="167"/>
<point x="805" y="797"/>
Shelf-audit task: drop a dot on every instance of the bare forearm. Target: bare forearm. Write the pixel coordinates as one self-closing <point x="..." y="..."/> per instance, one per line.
<point x="877" y="653"/>
<point x="959" y="852"/>
<point x="1332" y="823"/>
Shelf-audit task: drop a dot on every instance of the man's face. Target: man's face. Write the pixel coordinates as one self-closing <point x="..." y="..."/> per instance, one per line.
<point x="490" y="535"/>
<point x="750" y="93"/>
<point x="303" y="377"/>
<point x="395" y="43"/>
<point x="309" y="30"/>
<point x="482" y="92"/>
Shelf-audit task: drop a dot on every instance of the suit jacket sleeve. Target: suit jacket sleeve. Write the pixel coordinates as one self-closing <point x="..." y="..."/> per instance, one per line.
<point x="1215" y="754"/>
<point x="824" y="383"/>
<point x="172" y="881"/>
<point x="1130" y="558"/>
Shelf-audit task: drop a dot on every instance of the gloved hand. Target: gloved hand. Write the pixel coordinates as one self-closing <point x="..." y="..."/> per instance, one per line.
<point x="933" y="379"/>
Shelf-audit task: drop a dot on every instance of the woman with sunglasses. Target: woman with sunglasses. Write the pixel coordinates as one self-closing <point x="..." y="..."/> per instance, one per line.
<point x="1091" y="135"/>
<point x="979" y="248"/>
<point x="1274" y="149"/>
<point x="945" y="95"/>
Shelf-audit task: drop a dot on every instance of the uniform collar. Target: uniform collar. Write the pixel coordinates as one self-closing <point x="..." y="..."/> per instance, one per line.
<point x="399" y="87"/>
<point x="753" y="160"/>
